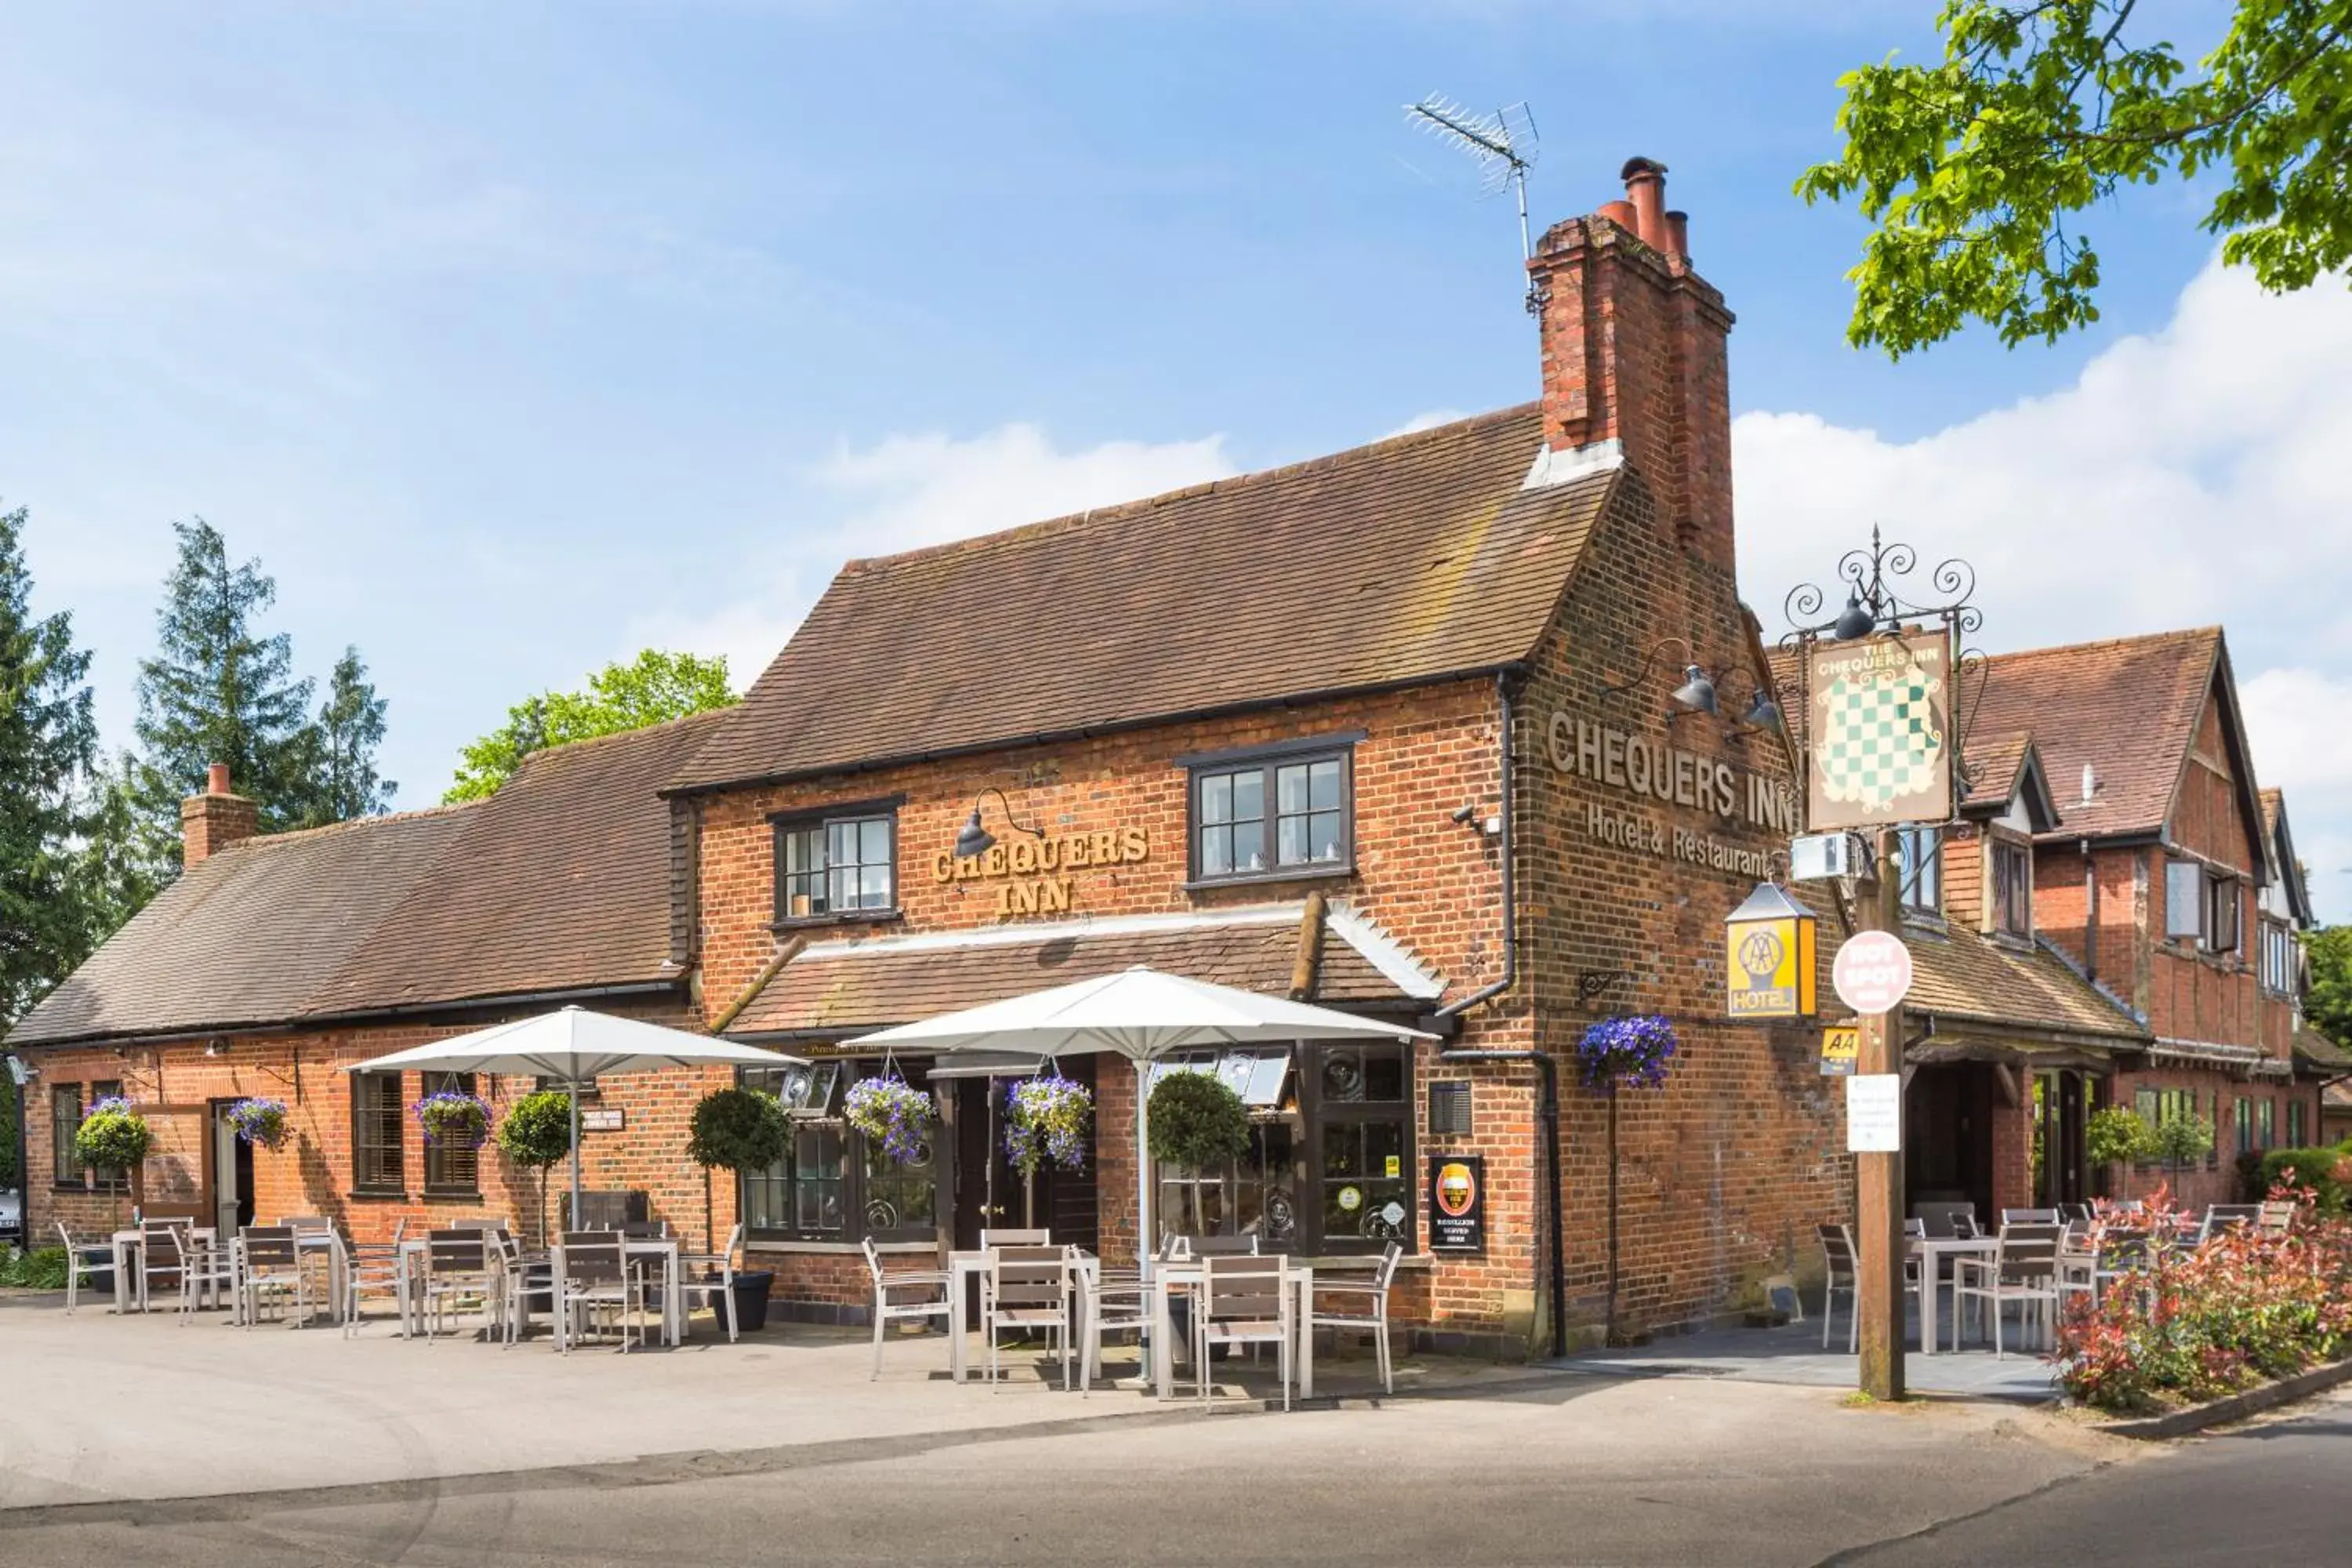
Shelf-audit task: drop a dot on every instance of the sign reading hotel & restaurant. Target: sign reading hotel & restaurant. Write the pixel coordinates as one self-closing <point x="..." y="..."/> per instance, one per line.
<point x="1661" y="772"/>
<point x="1457" y="1203"/>
<point x="1878" y="749"/>
<point x="1031" y="875"/>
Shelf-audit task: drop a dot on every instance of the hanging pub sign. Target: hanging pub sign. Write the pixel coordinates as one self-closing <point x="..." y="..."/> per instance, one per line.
<point x="1768" y="962"/>
<point x="1879" y="741"/>
<point x="1457" y="1203"/>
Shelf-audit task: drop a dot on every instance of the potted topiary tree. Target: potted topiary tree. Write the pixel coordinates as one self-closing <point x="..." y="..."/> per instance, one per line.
<point x="1197" y="1122"/>
<point x="113" y="1136"/>
<point x="2114" y="1135"/>
<point x="536" y="1134"/>
<point x="740" y="1129"/>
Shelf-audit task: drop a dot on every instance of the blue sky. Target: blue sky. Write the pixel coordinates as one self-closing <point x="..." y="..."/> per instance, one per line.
<point x="512" y="338"/>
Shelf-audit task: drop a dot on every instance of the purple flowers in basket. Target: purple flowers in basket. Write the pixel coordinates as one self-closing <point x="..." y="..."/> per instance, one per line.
<point x="261" y="1122"/>
<point x="895" y="1114"/>
<point x="458" y="1120"/>
<point x="1631" y="1051"/>
<point x="1048" y="1119"/>
<point x="110" y="1105"/>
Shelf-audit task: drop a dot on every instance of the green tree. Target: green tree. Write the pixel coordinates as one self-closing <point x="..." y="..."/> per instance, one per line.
<point x="343" y="780"/>
<point x="653" y="686"/>
<point x="120" y="860"/>
<point x="48" y="741"/>
<point x="1971" y="168"/>
<point x="218" y="690"/>
<point x="2328" y="1004"/>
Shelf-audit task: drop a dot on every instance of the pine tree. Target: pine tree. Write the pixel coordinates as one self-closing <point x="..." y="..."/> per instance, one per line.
<point x="219" y="691"/>
<point x="351" y="726"/>
<point x="123" y="860"/>
<point x="48" y="738"/>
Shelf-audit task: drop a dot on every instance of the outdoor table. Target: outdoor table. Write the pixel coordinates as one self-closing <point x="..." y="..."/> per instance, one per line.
<point x="413" y="1250"/>
<point x="1187" y="1275"/>
<point x="1932" y="1250"/>
<point x="963" y="1267"/>
<point x="126" y="1243"/>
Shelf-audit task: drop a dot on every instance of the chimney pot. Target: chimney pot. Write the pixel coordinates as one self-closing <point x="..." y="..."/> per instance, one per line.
<point x="1678" y="235"/>
<point x="1645" y="187"/>
<point x="216" y="779"/>
<point x="1622" y="214"/>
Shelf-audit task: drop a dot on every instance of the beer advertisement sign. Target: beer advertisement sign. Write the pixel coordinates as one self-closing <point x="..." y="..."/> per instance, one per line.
<point x="1457" y="1203"/>
<point x="1880" y="732"/>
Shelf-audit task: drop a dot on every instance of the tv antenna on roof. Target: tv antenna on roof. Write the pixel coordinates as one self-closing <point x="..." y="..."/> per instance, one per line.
<point x="1505" y="144"/>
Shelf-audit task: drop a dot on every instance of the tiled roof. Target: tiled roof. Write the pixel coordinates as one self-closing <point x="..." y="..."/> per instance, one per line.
<point x="871" y="983"/>
<point x="2129" y="707"/>
<point x="1993" y="761"/>
<point x="560" y="882"/>
<point x="248" y="934"/>
<point x="1411" y="559"/>
<point x="1963" y="974"/>
<point x="2318" y="1050"/>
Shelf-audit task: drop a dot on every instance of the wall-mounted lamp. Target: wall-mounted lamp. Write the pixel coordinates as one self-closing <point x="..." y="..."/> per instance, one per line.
<point x="1467" y="814"/>
<point x="1699" y="691"/>
<point x="22" y="1072"/>
<point x="973" y="839"/>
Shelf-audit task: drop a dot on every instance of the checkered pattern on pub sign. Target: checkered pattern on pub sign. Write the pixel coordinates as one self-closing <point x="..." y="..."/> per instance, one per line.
<point x="1879" y="753"/>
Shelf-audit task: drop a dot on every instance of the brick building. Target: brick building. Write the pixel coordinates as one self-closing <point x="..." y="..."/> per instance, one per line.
<point x="1391" y="730"/>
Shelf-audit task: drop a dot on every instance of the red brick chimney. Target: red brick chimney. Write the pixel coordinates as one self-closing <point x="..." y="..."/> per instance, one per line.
<point x="1633" y="361"/>
<point x="214" y="819"/>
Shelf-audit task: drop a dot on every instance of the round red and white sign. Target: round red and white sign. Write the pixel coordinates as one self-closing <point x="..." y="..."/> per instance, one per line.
<point x="1872" y="972"/>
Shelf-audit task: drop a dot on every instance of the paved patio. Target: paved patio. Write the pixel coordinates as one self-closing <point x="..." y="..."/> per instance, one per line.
<point x="1792" y="1354"/>
<point x="101" y="1407"/>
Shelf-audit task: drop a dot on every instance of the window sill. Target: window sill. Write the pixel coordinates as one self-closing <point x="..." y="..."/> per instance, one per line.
<point x="1928" y="920"/>
<point x="1260" y="879"/>
<point x="376" y="1196"/>
<point x="451" y="1196"/>
<point x="861" y="917"/>
<point x="838" y="1249"/>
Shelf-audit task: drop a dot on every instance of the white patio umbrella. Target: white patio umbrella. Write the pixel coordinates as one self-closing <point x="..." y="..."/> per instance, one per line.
<point x="575" y="1045"/>
<point x="1141" y="1013"/>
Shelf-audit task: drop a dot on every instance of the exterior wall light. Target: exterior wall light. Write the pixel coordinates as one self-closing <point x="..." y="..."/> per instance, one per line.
<point x="973" y="839"/>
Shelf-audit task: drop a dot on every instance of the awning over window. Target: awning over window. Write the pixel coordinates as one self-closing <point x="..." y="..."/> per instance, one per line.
<point x="1259" y="1076"/>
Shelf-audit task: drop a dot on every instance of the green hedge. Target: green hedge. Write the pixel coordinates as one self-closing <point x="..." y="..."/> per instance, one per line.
<point x="43" y="1269"/>
<point x="2315" y="1168"/>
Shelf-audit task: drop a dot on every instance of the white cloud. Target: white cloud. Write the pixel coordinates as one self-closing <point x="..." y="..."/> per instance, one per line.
<point x="1429" y="419"/>
<point x="2188" y="477"/>
<point x="910" y="490"/>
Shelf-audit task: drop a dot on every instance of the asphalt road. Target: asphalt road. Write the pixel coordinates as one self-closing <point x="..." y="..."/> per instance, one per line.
<point x="1576" y="1471"/>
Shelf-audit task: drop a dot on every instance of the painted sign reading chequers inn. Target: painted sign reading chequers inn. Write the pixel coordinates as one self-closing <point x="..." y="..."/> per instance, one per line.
<point x="1669" y="774"/>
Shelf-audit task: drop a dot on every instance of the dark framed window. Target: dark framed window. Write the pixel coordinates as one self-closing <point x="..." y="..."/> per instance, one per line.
<point x="2245" y="1125"/>
<point x="2294" y="1124"/>
<point x="1329" y="1167"/>
<point x="2013" y="888"/>
<point x="2278" y="959"/>
<point x="450" y="1170"/>
<point x="1923" y="870"/>
<point x="836" y="866"/>
<point x="1283" y="814"/>
<point x="64" y="1121"/>
<point x="377" y="1125"/>
<point x="832" y="1184"/>
<point x="2266" y="1113"/>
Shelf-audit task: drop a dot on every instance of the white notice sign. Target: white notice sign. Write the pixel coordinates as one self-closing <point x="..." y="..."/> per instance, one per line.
<point x="1874" y="1114"/>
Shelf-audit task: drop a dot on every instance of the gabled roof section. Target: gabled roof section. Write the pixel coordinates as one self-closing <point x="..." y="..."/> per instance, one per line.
<point x="2128" y="707"/>
<point x="1963" y="975"/>
<point x="250" y="933"/>
<point x="558" y="883"/>
<point x="1410" y="560"/>
<point x="2285" y="865"/>
<point x="2002" y="769"/>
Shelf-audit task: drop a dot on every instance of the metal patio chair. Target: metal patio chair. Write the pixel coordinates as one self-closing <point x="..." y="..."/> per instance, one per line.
<point x="269" y="1264"/>
<point x="162" y="1257"/>
<point x="933" y="1283"/>
<point x="1370" y="1313"/>
<point x="1026" y="1289"/>
<point x="1841" y="1272"/>
<point x="716" y="1285"/>
<point x="83" y="1259"/>
<point x="2023" y="1269"/>
<point x="206" y="1267"/>
<point x="1117" y="1302"/>
<point x="1245" y="1300"/>
<point x="591" y="1272"/>
<point x="461" y="1272"/>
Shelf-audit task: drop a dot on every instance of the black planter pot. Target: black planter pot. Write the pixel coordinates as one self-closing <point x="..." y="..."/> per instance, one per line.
<point x="751" y="1300"/>
<point x="101" y="1282"/>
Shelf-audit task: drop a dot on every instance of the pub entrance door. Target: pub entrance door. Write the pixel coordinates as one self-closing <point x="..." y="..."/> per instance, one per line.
<point x="230" y="1172"/>
<point x="990" y="1192"/>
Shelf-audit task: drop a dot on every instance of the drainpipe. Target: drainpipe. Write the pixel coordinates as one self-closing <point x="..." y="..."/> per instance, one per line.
<point x="1547" y="1068"/>
<point x="2089" y="914"/>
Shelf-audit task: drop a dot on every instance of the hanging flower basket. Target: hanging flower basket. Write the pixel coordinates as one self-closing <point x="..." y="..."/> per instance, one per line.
<point x="453" y="1121"/>
<point x="113" y="1136"/>
<point x="1625" y="1052"/>
<point x="1048" y="1119"/>
<point x="894" y="1114"/>
<point x="260" y="1123"/>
